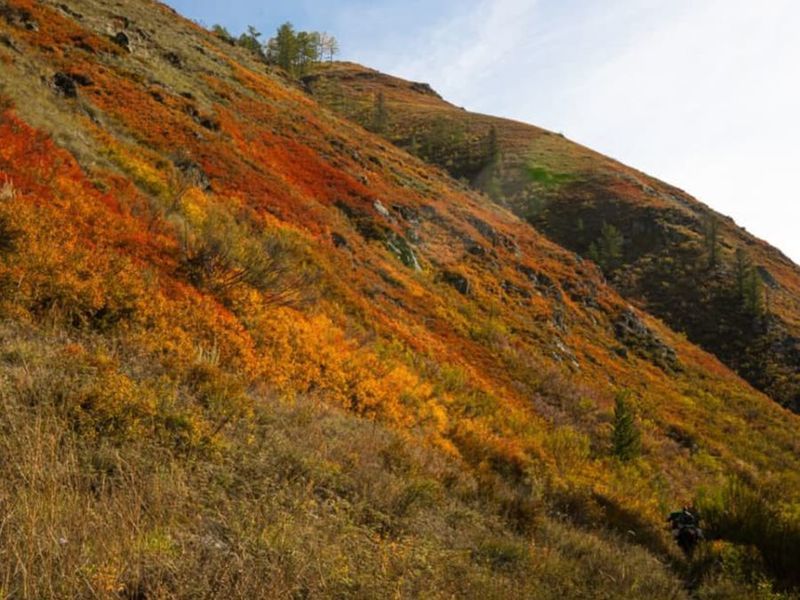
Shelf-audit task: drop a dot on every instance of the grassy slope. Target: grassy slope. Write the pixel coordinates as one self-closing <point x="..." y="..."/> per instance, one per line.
<point x="570" y="193"/>
<point x="206" y="392"/>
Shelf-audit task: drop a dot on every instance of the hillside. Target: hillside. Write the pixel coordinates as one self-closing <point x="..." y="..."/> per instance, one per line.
<point x="251" y="350"/>
<point x="664" y="251"/>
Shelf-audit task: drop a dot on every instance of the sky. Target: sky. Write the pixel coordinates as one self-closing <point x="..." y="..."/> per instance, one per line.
<point x="703" y="94"/>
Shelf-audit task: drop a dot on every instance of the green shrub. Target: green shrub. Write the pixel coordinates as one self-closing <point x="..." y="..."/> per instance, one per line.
<point x="751" y="518"/>
<point x="547" y="178"/>
<point x="224" y="254"/>
<point x="502" y="553"/>
<point x="418" y="494"/>
<point x="223" y="34"/>
<point x="607" y="251"/>
<point x="626" y="437"/>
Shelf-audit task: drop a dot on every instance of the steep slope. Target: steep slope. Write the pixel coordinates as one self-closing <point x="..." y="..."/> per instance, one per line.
<point x="250" y="349"/>
<point x="729" y="292"/>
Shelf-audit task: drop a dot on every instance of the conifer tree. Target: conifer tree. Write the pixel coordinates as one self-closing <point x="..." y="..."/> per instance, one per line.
<point x="283" y="47"/>
<point x="626" y="437"/>
<point x="712" y="241"/>
<point x="607" y="251"/>
<point x="741" y="266"/>
<point x="492" y="147"/>
<point x="754" y="293"/>
<point x="380" y="118"/>
<point x="222" y="33"/>
<point x="307" y="52"/>
<point x="749" y="286"/>
<point x="297" y="51"/>
<point x="250" y="41"/>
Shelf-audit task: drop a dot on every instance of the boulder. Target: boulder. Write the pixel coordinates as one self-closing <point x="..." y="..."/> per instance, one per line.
<point x="193" y="173"/>
<point x="398" y="246"/>
<point x="381" y="209"/>
<point x="122" y="40"/>
<point x="174" y="59"/>
<point x="65" y="85"/>
<point x="458" y="281"/>
<point x="339" y="241"/>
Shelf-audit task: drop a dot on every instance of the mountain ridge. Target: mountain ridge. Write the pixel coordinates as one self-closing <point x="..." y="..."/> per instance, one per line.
<point x="575" y="196"/>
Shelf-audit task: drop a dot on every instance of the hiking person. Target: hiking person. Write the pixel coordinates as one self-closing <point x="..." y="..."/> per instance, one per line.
<point x="686" y="530"/>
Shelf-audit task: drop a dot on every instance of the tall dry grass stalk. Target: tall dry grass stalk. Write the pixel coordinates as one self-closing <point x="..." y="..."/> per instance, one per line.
<point x="7" y="190"/>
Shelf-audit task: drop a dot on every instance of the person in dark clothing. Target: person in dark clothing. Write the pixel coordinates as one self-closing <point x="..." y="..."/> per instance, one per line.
<point x="682" y="518"/>
<point x="685" y="525"/>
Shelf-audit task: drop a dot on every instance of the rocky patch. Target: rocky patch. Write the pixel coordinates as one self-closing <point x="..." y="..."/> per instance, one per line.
<point x="122" y="40"/>
<point x="541" y="282"/>
<point x="640" y="339"/>
<point x="8" y="42"/>
<point x="174" y="59"/>
<point x="18" y="17"/>
<point x="457" y="281"/>
<point x="425" y="89"/>
<point x="65" y="85"/>
<point x="339" y="241"/>
<point x="68" y="11"/>
<point x="193" y="174"/>
<point x="398" y="246"/>
<point x="366" y="225"/>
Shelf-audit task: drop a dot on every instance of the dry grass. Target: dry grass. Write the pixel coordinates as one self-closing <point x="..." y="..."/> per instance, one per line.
<point x="7" y="191"/>
<point x="299" y="501"/>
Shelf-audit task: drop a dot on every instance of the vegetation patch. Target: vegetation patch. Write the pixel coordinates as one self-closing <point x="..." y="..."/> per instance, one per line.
<point x="547" y="178"/>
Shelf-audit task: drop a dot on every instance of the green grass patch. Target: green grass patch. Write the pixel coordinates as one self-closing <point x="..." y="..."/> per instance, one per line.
<point x="546" y="177"/>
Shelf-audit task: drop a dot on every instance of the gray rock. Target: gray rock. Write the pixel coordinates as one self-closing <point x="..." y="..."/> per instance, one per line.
<point x="122" y="40"/>
<point x="400" y="248"/>
<point x="457" y="281"/>
<point x="382" y="210"/>
<point x="174" y="59"/>
<point x="193" y="173"/>
<point x="65" y="85"/>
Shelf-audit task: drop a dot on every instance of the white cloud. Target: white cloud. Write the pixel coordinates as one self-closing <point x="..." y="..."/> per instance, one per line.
<point x="461" y="53"/>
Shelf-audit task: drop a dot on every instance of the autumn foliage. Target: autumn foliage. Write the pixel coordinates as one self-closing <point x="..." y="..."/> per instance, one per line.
<point x="197" y="259"/>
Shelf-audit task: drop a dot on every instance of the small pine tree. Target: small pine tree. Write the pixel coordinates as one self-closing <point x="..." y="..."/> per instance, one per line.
<point x="493" y="186"/>
<point x="753" y="299"/>
<point x="413" y="145"/>
<point x="308" y="52"/>
<point x="380" y="118"/>
<point x="741" y="267"/>
<point x="488" y="177"/>
<point x="251" y="41"/>
<point x="283" y="48"/>
<point x="607" y="251"/>
<point x="492" y="147"/>
<point x="626" y="437"/>
<point x="223" y="34"/>
<point x="712" y="241"/>
<point x="749" y="286"/>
